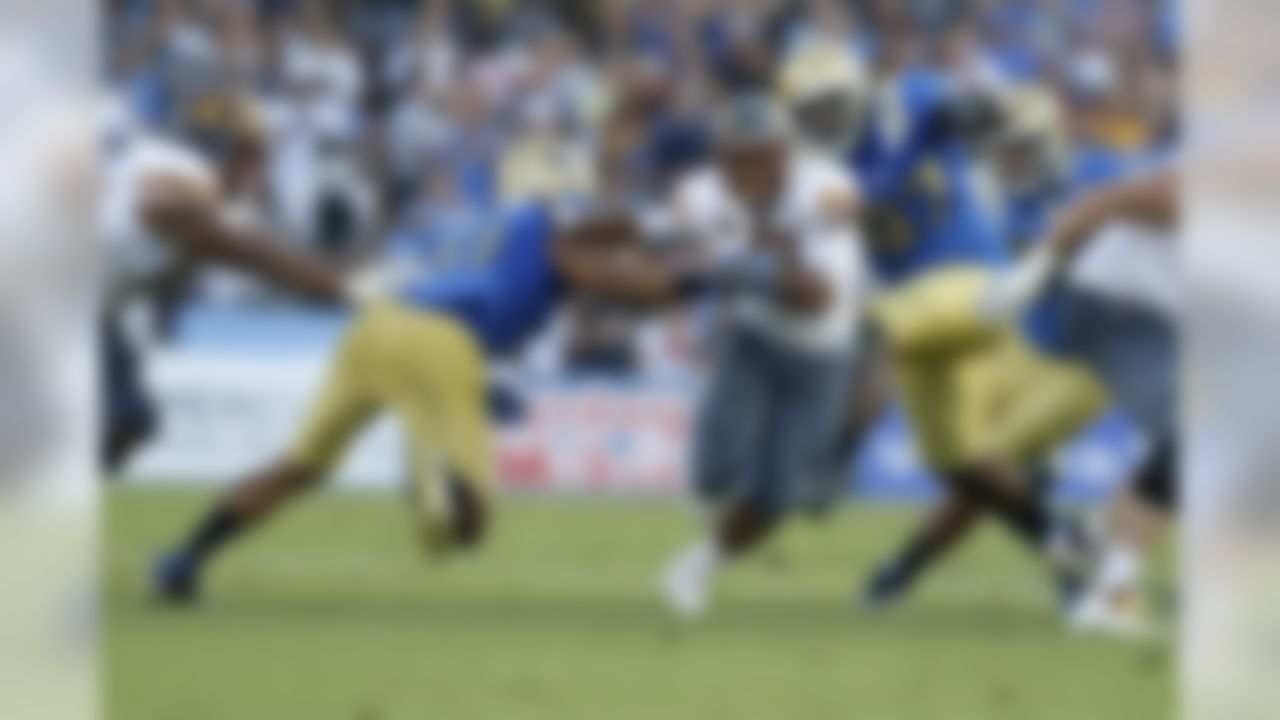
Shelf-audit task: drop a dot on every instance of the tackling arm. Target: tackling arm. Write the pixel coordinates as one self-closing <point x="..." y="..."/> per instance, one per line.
<point x="621" y="271"/>
<point x="193" y="223"/>
<point x="1151" y="198"/>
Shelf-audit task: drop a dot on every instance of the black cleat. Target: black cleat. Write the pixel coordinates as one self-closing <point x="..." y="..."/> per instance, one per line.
<point x="886" y="588"/>
<point x="176" y="579"/>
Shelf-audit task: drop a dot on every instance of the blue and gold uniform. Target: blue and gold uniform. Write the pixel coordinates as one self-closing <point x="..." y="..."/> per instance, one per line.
<point x="933" y="222"/>
<point x="423" y="357"/>
<point x="929" y="206"/>
<point x="939" y="233"/>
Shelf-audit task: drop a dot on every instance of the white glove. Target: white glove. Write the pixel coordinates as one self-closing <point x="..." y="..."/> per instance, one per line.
<point x="379" y="281"/>
<point x="1012" y="291"/>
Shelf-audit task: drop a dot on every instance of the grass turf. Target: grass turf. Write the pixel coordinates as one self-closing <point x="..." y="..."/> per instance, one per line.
<point x="332" y="614"/>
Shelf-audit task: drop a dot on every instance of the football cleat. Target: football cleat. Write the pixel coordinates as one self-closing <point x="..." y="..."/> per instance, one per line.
<point x="887" y="587"/>
<point x="175" y="577"/>
<point x="1118" y="612"/>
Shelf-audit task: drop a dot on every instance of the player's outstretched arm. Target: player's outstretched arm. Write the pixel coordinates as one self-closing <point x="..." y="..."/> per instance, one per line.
<point x="1150" y="198"/>
<point x="193" y="222"/>
<point x="625" y="272"/>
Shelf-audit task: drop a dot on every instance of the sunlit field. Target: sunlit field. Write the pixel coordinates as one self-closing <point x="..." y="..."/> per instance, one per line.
<point x="332" y="614"/>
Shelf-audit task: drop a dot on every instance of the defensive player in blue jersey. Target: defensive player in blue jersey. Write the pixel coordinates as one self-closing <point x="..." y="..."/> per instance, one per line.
<point x="938" y="244"/>
<point x="1038" y="175"/>
<point x="422" y="355"/>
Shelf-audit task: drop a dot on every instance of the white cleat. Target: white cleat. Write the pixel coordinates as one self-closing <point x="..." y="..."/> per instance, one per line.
<point x="1119" y="613"/>
<point x="685" y="586"/>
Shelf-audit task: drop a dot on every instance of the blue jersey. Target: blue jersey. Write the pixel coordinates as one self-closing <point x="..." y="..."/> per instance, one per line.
<point x="506" y="300"/>
<point x="927" y="204"/>
<point x="1027" y="213"/>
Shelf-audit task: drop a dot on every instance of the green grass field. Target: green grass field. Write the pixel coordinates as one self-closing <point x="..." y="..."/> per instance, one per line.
<point x="333" y="615"/>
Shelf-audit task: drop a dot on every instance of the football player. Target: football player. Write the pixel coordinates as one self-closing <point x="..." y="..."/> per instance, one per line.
<point x="1114" y="249"/>
<point x="829" y="93"/>
<point x="937" y="242"/>
<point x="1035" y="171"/>
<point x="780" y="221"/>
<point x="422" y="355"/>
<point x="173" y="201"/>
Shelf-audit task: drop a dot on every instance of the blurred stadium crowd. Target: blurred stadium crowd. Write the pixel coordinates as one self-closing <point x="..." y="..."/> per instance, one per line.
<point x="403" y="128"/>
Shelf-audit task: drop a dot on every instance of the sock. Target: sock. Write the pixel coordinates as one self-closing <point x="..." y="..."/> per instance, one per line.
<point x="944" y="529"/>
<point x="916" y="555"/>
<point x="704" y="558"/>
<point x="218" y="527"/>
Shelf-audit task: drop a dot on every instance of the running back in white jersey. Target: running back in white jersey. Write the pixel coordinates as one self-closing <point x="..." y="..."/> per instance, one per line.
<point x="133" y="256"/>
<point x="813" y="211"/>
<point x="1134" y="263"/>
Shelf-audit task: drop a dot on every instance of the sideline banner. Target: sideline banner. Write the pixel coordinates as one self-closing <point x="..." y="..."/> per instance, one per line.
<point x="225" y="412"/>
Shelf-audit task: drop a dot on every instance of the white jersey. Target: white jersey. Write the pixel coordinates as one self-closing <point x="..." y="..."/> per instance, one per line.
<point x="830" y="246"/>
<point x="1133" y="263"/>
<point x="133" y="256"/>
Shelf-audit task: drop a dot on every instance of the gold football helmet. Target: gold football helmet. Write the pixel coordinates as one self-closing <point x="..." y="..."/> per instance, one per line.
<point x="827" y="90"/>
<point x="1032" y="147"/>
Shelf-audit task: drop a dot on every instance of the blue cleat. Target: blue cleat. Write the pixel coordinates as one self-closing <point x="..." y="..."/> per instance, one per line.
<point x="887" y="586"/>
<point x="176" y="579"/>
